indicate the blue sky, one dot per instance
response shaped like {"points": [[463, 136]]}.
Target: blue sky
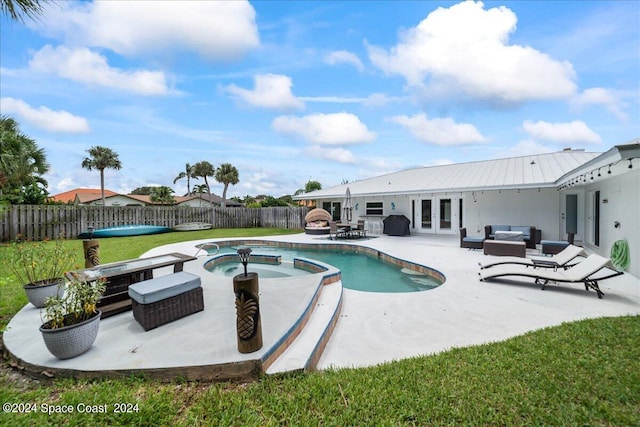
{"points": [[328, 91]]}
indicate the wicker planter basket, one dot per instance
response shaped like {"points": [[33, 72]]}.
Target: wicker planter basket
{"points": [[71, 341]]}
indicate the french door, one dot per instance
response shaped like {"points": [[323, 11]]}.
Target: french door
{"points": [[433, 215]]}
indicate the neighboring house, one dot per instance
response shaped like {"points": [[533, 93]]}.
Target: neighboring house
{"points": [[205, 200], [80, 196], [119, 200], [571, 190], [89, 196]]}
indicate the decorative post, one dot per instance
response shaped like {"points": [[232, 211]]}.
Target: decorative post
{"points": [[91, 252], [248, 325]]}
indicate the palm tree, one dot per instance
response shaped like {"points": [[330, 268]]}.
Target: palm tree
{"points": [[188, 173], [204, 169], [17, 9], [226, 174], [22, 162], [163, 195], [199, 189], [101, 158]]}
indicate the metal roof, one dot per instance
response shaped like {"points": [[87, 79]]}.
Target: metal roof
{"points": [[532, 171]]}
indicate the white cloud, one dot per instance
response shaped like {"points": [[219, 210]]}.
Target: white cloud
{"points": [[333, 99], [45, 118], [601, 96], [565, 133], [465, 48], [439, 131], [325, 129], [65, 184], [83, 65], [271, 91], [343, 57], [526, 148], [261, 182], [439, 162], [337, 154], [380, 99], [216, 30]]}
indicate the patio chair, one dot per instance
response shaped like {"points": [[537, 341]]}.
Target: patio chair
{"points": [[335, 232], [561, 259], [359, 229], [470, 242], [585, 272]]}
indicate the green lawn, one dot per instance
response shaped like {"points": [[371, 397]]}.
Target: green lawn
{"points": [[582, 373]]}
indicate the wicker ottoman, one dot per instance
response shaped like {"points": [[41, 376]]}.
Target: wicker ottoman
{"points": [[505, 248], [165, 299]]}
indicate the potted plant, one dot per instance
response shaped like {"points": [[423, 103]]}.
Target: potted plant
{"points": [[40, 266], [72, 321]]}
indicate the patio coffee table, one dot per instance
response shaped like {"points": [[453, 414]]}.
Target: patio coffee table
{"points": [[505, 248]]}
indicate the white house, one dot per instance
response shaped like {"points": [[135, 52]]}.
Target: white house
{"points": [[571, 190], [205, 200]]}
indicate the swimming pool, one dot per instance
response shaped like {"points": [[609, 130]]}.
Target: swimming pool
{"points": [[362, 269]]}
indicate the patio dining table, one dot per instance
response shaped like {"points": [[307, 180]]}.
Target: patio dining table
{"points": [[120, 275]]}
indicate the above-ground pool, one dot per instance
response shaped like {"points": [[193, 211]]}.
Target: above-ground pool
{"points": [[362, 269]]}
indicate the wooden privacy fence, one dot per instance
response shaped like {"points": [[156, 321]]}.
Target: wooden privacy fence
{"points": [[37, 222]]}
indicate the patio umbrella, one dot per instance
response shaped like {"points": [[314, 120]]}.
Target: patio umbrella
{"points": [[347, 207]]}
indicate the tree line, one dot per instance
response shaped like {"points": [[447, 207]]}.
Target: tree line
{"points": [[23, 165]]}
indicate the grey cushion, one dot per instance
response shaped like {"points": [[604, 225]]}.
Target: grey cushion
{"points": [[526, 231], [473, 239], [160, 288], [554, 243], [495, 228]]}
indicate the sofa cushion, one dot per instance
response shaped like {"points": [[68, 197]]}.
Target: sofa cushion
{"points": [[473, 239], [526, 231], [495, 228]]}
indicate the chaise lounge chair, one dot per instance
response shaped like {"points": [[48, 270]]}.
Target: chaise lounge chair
{"points": [[560, 260], [583, 272]]}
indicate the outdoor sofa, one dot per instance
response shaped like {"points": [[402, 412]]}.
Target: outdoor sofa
{"points": [[529, 234]]}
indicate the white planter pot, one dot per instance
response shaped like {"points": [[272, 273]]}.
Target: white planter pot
{"points": [[37, 294], [72, 341]]}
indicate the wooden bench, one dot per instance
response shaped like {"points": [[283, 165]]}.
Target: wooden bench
{"points": [[165, 299], [504, 248]]}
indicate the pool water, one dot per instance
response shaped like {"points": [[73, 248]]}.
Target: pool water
{"points": [[360, 271], [233, 268]]}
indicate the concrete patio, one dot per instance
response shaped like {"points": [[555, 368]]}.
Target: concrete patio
{"points": [[372, 328]]}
